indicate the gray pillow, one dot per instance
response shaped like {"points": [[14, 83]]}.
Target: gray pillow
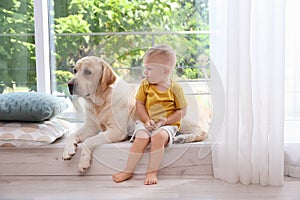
{"points": [[30, 106]]}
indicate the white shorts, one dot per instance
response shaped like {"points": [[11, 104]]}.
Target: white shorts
{"points": [[171, 130]]}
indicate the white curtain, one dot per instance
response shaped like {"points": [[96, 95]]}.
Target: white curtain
{"points": [[292, 74], [247, 49]]}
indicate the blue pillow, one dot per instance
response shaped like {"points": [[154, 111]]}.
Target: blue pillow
{"points": [[30, 106]]}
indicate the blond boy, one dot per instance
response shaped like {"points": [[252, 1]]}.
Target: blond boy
{"points": [[160, 104]]}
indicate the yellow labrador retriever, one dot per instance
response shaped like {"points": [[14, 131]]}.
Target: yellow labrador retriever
{"points": [[110, 111], [108, 108]]}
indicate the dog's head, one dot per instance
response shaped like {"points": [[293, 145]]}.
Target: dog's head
{"points": [[91, 75]]}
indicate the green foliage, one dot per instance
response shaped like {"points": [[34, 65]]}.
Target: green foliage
{"points": [[17, 53], [97, 23], [62, 78], [152, 16]]}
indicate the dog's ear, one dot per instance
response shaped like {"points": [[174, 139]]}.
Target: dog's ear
{"points": [[108, 76]]}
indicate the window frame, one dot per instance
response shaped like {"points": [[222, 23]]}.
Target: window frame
{"points": [[42, 39]]}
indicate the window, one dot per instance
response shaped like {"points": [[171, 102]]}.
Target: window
{"points": [[17, 49], [120, 31], [42, 40]]}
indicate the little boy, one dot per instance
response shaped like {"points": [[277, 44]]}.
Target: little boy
{"points": [[160, 105]]}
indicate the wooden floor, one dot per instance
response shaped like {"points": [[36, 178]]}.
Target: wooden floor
{"points": [[169, 187]]}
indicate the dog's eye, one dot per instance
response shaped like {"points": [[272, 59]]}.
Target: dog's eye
{"points": [[74, 71], [87, 72]]}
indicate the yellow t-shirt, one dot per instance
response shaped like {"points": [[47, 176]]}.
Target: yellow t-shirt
{"points": [[161, 104]]}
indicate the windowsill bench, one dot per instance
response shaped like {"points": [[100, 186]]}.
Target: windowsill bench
{"points": [[180, 159]]}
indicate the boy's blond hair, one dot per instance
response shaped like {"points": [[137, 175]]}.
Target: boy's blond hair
{"points": [[164, 51]]}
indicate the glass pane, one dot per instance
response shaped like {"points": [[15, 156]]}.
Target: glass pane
{"points": [[17, 49], [121, 31]]}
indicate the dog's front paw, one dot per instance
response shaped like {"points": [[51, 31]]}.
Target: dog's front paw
{"points": [[85, 160], [69, 151]]}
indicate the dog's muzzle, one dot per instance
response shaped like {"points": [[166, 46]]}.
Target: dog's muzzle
{"points": [[71, 86]]}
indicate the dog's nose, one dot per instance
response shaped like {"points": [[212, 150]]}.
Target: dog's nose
{"points": [[71, 86]]}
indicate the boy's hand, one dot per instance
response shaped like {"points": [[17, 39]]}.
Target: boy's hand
{"points": [[149, 125], [162, 121]]}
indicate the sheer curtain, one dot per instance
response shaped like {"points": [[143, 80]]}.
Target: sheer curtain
{"points": [[247, 48], [292, 74]]}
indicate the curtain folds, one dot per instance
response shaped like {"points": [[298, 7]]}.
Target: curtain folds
{"points": [[247, 50], [292, 74]]}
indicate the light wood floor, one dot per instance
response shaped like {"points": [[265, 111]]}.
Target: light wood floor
{"points": [[169, 187]]}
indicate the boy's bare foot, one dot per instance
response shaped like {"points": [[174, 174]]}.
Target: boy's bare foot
{"points": [[121, 176], [151, 178]]}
